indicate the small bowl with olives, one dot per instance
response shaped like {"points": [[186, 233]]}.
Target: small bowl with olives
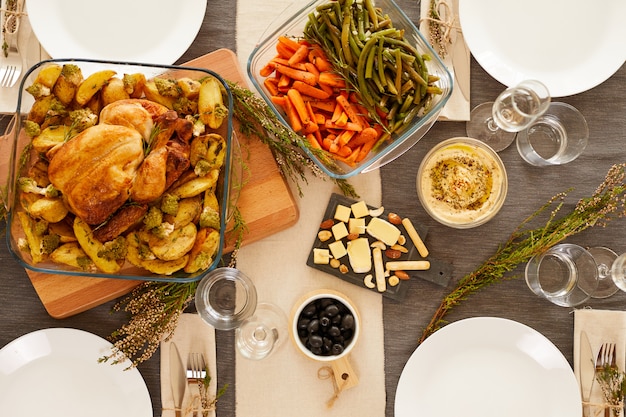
{"points": [[325, 325]]}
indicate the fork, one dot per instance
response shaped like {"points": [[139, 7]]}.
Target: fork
{"points": [[606, 357], [196, 371], [11, 65]]}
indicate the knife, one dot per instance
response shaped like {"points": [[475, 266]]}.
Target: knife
{"points": [[178, 379], [586, 370]]}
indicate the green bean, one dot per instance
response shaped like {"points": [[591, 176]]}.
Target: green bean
{"points": [[376, 60]]}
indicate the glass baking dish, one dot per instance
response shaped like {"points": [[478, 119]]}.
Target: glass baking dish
{"points": [[18, 156], [400, 142]]}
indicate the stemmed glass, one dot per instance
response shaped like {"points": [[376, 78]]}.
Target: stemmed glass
{"points": [[611, 270], [226, 299], [496, 123]]}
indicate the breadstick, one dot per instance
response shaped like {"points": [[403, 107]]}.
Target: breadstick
{"points": [[408, 265], [417, 240], [379, 269]]}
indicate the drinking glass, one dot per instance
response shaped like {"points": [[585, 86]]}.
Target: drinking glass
{"points": [[566, 275], [557, 137], [496, 123], [262, 333], [612, 269]]}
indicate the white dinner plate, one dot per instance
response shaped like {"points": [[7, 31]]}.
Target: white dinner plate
{"points": [[155, 32], [55, 373], [487, 367], [571, 46]]}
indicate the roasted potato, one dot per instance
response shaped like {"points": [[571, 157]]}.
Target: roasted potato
{"points": [[114, 90], [203, 251], [134, 84], [48, 75], [139, 254], [211, 103], [91, 85], [72, 254], [92, 247], [67, 83], [152, 93], [52, 210], [175, 244], [197, 185]]}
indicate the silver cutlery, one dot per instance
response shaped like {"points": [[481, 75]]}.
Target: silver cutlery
{"points": [[196, 371], [11, 65], [587, 371], [606, 357], [177, 379]]}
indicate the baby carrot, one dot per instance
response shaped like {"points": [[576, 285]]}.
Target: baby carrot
{"points": [[349, 109], [288, 42], [299, 55], [332, 79], [310, 90], [292, 115], [296, 74]]}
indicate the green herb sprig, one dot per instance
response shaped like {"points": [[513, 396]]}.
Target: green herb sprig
{"points": [[607, 202]]}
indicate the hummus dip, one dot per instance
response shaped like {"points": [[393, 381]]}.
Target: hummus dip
{"points": [[462, 184]]}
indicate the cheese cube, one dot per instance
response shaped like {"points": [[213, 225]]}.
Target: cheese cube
{"points": [[339, 230], [360, 209], [383, 230], [338, 249], [342, 213], [356, 226], [321, 256], [360, 255]]}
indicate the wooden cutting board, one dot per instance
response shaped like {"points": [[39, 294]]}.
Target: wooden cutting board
{"points": [[265, 202]]}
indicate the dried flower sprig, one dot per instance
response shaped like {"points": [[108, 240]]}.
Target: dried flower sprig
{"points": [[612, 381], [607, 202]]}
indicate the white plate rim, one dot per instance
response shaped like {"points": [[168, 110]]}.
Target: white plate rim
{"points": [[69, 38], [609, 52], [457, 338], [79, 346]]}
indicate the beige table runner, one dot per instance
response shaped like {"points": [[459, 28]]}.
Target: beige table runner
{"points": [[286, 383]]}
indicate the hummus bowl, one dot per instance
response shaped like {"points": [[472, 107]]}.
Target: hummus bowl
{"points": [[462, 183], [93, 176]]}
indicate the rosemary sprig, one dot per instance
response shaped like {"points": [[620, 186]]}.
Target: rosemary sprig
{"points": [[256, 118], [608, 201]]}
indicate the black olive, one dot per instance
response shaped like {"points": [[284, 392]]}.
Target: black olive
{"points": [[309, 310], [334, 331], [313, 326], [324, 322], [337, 349], [332, 310], [347, 322], [316, 341], [303, 323]]}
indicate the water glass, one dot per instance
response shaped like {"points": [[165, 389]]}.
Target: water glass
{"points": [[566, 275], [225, 297], [263, 333], [557, 137]]}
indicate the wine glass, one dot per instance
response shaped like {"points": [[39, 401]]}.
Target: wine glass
{"points": [[497, 123], [226, 299]]}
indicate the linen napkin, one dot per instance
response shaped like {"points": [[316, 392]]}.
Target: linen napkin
{"points": [[457, 59], [191, 335], [32, 53], [601, 326]]}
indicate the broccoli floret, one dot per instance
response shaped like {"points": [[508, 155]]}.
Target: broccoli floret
{"points": [[40, 227], [202, 168], [167, 87], [73, 73], [50, 242], [29, 185], [145, 253], [209, 218], [153, 218], [198, 127], [184, 106], [114, 249], [169, 204], [31, 128], [81, 119], [56, 108], [84, 262], [38, 90]]}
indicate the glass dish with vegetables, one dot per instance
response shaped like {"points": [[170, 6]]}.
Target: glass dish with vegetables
{"points": [[119, 170], [356, 80]]}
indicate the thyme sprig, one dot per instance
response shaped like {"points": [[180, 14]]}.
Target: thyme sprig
{"points": [[607, 202], [256, 118]]}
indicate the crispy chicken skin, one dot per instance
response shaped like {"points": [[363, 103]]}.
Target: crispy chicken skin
{"points": [[95, 170], [138, 114]]}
